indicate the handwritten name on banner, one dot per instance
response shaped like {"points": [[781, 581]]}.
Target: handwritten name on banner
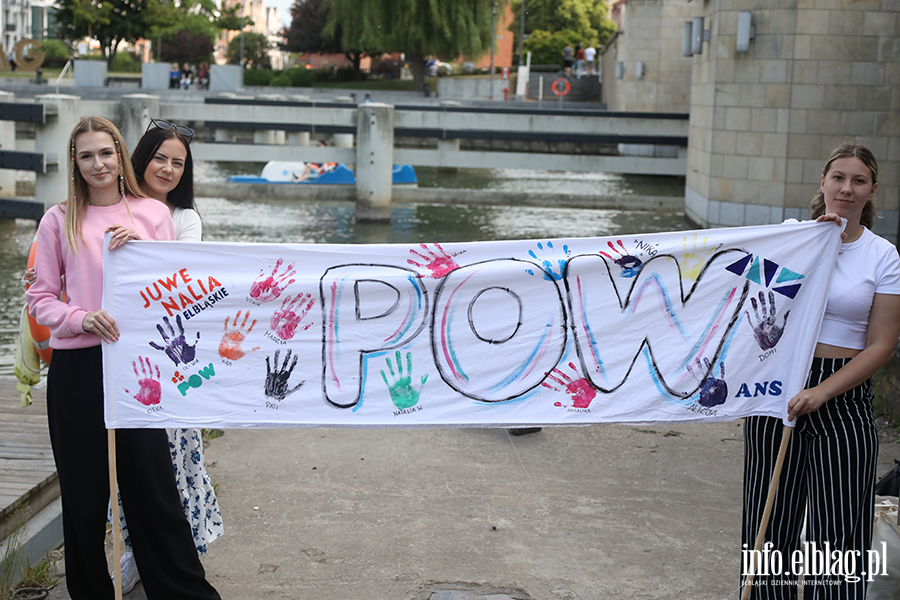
{"points": [[706, 325]]}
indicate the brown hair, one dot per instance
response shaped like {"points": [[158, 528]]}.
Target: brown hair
{"points": [[78, 187], [848, 150]]}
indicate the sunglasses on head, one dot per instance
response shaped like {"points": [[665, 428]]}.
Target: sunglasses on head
{"points": [[163, 124]]}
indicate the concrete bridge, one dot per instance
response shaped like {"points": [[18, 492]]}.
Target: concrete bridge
{"points": [[280, 127]]}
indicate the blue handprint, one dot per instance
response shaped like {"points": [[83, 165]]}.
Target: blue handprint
{"points": [[713, 392], [552, 266]]}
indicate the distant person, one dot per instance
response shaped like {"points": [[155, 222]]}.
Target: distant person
{"points": [[186, 75], [312, 170], [567, 59], [12, 64], [174, 77], [203, 76], [589, 55], [579, 60]]}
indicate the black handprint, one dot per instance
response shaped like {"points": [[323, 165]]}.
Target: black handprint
{"points": [[176, 347], [766, 331], [713, 392], [277, 379]]}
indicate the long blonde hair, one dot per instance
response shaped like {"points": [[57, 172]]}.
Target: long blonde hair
{"points": [[78, 187], [849, 150]]}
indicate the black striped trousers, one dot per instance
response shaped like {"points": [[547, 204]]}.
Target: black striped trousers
{"points": [[829, 468]]}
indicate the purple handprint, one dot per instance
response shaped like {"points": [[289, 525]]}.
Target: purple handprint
{"points": [[267, 288], [438, 262], [150, 391], [766, 331], [285, 320], [175, 345], [713, 392], [629, 264]]}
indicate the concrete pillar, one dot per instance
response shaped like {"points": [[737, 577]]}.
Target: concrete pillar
{"points": [[137, 110], [226, 135], [7, 142], [345, 140], [273, 136], [444, 146], [374, 161], [298, 138], [264, 136], [52, 139]]}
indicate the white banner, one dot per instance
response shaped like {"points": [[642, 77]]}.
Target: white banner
{"points": [[686, 326]]}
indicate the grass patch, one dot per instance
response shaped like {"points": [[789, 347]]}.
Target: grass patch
{"points": [[15, 571], [211, 434]]}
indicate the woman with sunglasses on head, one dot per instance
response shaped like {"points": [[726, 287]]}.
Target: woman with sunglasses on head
{"points": [[104, 197], [828, 476], [164, 170]]}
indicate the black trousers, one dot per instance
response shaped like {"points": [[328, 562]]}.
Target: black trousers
{"points": [[829, 469], [163, 547]]}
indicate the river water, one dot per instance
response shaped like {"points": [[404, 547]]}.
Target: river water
{"points": [[332, 222]]}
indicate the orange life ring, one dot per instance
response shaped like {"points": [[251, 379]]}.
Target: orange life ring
{"points": [[561, 86], [39, 333]]}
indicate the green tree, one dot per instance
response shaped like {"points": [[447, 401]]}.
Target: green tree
{"points": [[419, 28], [585, 18], [256, 51], [309, 19], [546, 48], [109, 22], [172, 25]]}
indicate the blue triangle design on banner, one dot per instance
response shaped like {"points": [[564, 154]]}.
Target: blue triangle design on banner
{"points": [[788, 275], [738, 267], [769, 267], [788, 290], [753, 273]]}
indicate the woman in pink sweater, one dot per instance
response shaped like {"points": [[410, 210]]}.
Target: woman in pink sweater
{"points": [[104, 198]]}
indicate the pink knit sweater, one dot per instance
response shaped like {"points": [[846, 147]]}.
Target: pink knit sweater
{"points": [[83, 270]]}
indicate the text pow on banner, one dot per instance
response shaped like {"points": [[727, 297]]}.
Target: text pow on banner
{"points": [[695, 326]]}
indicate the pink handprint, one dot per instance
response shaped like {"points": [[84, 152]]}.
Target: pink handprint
{"points": [[150, 391], [267, 288], [230, 346], [439, 263], [579, 389], [285, 321]]}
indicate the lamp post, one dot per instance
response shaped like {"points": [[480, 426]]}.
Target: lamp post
{"points": [[493, 40], [242, 34], [522, 34]]}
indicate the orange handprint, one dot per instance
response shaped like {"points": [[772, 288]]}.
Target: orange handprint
{"points": [[230, 346]]}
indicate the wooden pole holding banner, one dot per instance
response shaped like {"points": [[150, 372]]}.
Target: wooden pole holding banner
{"points": [[767, 511], [114, 502]]}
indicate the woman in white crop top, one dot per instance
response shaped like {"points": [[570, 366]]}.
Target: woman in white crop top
{"points": [[829, 469]]}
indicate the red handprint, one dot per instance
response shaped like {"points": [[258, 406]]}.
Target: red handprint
{"points": [[439, 263], [268, 288], [285, 321], [230, 346], [150, 391], [579, 389]]}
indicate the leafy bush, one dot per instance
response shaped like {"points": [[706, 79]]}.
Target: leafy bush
{"points": [[282, 80], [258, 77], [546, 48], [124, 63], [56, 53], [301, 76]]}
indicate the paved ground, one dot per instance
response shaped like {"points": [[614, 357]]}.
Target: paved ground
{"points": [[600, 512]]}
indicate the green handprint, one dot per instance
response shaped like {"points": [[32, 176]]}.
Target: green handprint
{"points": [[403, 394]]}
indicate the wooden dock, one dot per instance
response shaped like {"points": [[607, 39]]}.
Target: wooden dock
{"points": [[27, 471]]}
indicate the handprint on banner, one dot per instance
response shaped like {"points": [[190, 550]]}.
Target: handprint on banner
{"points": [[577, 387], [629, 263], [285, 320], [552, 265], [267, 288], [230, 346], [438, 262], [766, 331], [150, 391], [175, 346], [713, 392], [403, 394], [277, 377], [695, 258]]}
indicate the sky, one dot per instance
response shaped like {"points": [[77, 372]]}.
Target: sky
{"points": [[284, 9]]}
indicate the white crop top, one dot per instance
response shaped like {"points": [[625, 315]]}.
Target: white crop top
{"points": [[865, 267]]}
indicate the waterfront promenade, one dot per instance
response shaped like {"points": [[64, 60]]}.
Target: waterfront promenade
{"points": [[600, 512]]}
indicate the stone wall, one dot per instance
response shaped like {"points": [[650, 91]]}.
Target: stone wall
{"points": [[651, 34], [818, 72]]}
